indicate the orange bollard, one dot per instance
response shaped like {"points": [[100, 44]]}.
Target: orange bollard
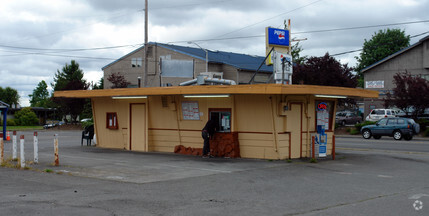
{"points": [[7, 136]]}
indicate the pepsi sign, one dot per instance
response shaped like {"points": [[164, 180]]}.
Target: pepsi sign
{"points": [[279, 37]]}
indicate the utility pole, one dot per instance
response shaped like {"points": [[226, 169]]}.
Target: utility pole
{"points": [[145, 43]]}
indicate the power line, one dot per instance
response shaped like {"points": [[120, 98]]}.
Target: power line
{"points": [[308, 32], [68, 50], [270, 18], [361, 27], [352, 51]]}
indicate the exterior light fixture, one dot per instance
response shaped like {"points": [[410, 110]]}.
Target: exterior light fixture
{"points": [[205, 96], [129, 97], [331, 96]]}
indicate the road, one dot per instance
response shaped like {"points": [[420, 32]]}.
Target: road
{"points": [[94, 181], [417, 145]]}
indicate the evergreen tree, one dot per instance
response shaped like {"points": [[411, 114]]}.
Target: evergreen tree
{"points": [[70, 78]]}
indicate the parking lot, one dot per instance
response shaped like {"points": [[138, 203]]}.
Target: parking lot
{"points": [[97, 181]]}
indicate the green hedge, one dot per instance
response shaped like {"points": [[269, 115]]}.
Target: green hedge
{"points": [[360, 125], [424, 124], [426, 133], [10, 122]]}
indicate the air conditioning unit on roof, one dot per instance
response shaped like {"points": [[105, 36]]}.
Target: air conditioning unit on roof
{"points": [[217, 75]]}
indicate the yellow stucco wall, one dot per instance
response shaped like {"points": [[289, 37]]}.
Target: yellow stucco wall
{"points": [[264, 129]]}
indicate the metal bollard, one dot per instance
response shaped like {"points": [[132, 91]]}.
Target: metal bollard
{"points": [[36, 148], [57, 160], [22, 151], [14, 155]]}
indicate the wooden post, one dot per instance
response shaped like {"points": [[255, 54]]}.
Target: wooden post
{"points": [[333, 147], [36, 148], [14, 154], [57, 160], [312, 147], [22, 158]]}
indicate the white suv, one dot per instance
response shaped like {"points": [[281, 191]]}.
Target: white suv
{"points": [[377, 114]]}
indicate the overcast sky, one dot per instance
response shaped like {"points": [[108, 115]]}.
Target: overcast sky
{"points": [[39, 37]]}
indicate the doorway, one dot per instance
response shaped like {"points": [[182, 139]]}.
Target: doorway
{"points": [[138, 127]]}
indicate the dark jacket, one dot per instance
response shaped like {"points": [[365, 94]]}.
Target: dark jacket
{"points": [[210, 127]]}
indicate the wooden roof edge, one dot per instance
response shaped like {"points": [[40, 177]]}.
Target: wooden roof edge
{"points": [[222, 89]]}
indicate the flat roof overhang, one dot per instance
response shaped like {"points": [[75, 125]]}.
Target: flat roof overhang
{"points": [[264, 89]]}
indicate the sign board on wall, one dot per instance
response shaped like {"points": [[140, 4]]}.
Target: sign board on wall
{"points": [[190, 110], [323, 114], [374, 84]]}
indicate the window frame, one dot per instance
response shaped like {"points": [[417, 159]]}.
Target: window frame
{"points": [[112, 120]]}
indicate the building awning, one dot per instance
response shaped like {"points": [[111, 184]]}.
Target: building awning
{"points": [[267, 89], [264, 89]]}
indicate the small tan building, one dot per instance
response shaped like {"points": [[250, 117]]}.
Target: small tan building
{"points": [[269, 121]]}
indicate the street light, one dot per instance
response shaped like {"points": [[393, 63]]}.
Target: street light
{"points": [[207, 54]]}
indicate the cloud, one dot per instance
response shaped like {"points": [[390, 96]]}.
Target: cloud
{"points": [[72, 24]]}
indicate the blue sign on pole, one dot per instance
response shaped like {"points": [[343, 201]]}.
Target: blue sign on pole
{"points": [[278, 37]]}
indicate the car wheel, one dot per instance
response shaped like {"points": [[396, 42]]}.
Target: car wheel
{"points": [[366, 134], [377, 136], [408, 137], [397, 135]]}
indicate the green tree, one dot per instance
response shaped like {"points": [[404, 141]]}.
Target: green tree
{"points": [[70, 78], [9, 95], [100, 84], [381, 45], [26, 117], [296, 54], [40, 96]]}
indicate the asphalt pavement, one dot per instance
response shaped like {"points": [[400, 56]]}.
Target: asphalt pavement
{"points": [[94, 181]]}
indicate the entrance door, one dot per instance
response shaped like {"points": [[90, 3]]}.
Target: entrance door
{"points": [[294, 125], [138, 127]]}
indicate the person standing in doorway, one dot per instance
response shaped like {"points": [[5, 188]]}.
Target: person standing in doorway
{"points": [[207, 134]]}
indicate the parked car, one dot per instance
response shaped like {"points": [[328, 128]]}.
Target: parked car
{"points": [[343, 118], [396, 127], [377, 114]]}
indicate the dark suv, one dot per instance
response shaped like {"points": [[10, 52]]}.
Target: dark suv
{"points": [[396, 127]]}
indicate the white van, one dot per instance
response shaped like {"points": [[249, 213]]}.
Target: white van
{"points": [[377, 114]]}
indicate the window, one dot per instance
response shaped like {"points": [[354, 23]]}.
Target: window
{"points": [[222, 118], [392, 122], [111, 121], [382, 121], [136, 62]]}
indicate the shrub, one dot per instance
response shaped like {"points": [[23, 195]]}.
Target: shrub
{"points": [[360, 125], [26, 117], [10, 122], [87, 123], [426, 133], [424, 124], [354, 131]]}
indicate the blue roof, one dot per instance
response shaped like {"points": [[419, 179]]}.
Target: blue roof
{"points": [[239, 61]]}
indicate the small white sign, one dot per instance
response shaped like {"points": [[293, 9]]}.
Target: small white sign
{"points": [[374, 84]]}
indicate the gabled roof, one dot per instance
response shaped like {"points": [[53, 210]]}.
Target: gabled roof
{"points": [[4, 105], [395, 54], [239, 61]]}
